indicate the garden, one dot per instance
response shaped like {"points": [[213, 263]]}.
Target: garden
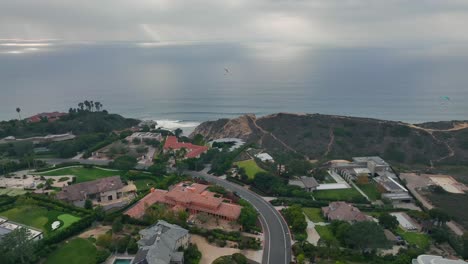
{"points": [[76, 251], [370, 189], [314, 214], [420, 240]]}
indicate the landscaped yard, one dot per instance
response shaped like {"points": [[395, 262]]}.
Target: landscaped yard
{"points": [[325, 233], [338, 195], [76, 251], [371, 190], [38, 217], [314, 214], [144, 184], [82, 174], [250, 166], [12, 192], [414, 238]]}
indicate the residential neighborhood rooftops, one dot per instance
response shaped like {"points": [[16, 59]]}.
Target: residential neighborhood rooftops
{"points": [[159, 244], [344, 212], [80, 191], [50, 117], [377, 160], [389, 184], [193, 151]]}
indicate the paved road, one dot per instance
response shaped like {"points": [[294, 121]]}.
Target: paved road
{"points": [[277, 245], [55, 161]]}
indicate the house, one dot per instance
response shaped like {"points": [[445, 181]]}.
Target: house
{"points": [[405, 221], [145, 136], [160, 244], [343, 211], [6, 227], [309, 184], [193, 151], [109, 192], [50, 117], [265, 157], [362, 166], [431, 259], [392, 190], [192, 197]]}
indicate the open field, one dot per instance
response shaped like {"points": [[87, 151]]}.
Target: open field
{"points": [[414, 238], [251, 168], [76, 251], [325, 233], [314, 214], [370, 190], [82, 174], [450, 204], [38, 217], [338, 195]]}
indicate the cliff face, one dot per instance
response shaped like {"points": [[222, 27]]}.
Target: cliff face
{"points": [[325, 136]]}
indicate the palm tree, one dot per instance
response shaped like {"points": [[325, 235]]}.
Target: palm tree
{"points": [[81, 106], [98, 106], [91, 105], [18, 110], [88, 106]]}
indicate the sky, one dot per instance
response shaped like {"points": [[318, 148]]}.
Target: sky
{"points": [[356, 23]]}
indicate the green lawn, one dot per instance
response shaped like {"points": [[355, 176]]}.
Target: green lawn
{"points": [[82, 174], [371, 190], [414, 238], [144, 184], [38, 217], [250, 166], [325, 233], [12, 192], [76, 251], [67, 219], [338, 195], [314, 214]]}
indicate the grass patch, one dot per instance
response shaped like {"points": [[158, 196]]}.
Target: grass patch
{"points": [[38, 217], [314, 214], [144, 184], [82, 174], [325, 233], [12, 192], [350, 194], [370, 190], [450, 204], [76, 251], [414, 238], [67, 220], [250, 166]]}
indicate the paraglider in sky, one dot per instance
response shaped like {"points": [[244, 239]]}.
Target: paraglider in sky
{"points": [[446, 98]]}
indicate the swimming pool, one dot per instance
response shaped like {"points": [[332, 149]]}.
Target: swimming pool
{"points": [[122, 261]]}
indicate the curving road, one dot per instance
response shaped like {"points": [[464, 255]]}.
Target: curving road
{"points": [[277, 244]]}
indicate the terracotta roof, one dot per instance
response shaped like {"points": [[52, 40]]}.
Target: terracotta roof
{"points": [[50, 117], [80, 191], [192, 196], [193, 151]]}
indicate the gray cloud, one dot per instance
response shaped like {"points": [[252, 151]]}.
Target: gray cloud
{"points": [[321, 22]]}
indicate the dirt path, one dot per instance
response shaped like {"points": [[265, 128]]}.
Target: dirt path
{"points": [[330, 144], [457, 126], [254, 122]]}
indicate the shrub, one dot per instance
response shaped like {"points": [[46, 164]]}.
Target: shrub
{"points": [[102, 255]]}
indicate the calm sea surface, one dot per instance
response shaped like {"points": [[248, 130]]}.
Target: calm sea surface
{"points": [[197, 82]]}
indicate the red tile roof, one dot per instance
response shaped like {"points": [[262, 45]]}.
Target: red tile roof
{"points": [[50, 117], [193, 151], [190, 196]]}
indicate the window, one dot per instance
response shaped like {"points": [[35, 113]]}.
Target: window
{"points": [[109, 197]]}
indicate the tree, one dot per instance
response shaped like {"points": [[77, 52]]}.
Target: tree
{"points": [[81, 106], [388, 221], [439, 217], [248, 216], [88, 204], [124, 163], [365, 235], [192, 255], [18, 110], [158, 169], [104, 240], [98, 106], [16, 247], [117, 225], [100, 212], [48, 183], [178, 132]]}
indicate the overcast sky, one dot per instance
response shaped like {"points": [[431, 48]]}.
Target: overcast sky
{"points": [[322, 22]]}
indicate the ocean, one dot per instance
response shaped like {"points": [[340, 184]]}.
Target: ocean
{"points": [[183, 84]]}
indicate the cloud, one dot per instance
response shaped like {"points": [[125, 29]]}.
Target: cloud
{"points": [[318, 22]]}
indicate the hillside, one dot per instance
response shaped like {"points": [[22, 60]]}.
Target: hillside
{"points": [[318, 136]]}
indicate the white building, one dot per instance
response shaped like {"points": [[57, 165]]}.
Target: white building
{"points": [[431, 259]]}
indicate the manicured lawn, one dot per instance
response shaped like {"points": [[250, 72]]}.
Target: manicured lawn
{"points": [[12, 192], [82, 174], [371, 190], [144, 184], [251, 168], [414, 238], [325, 233], [38, 217], [314, 214], [76, 251], [337, 195], [67, 220]]}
